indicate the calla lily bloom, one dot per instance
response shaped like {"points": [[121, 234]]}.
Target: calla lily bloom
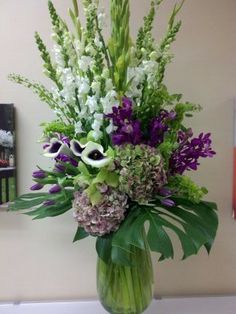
{"points": [[55, 148], [93, 155], [77, 148]]}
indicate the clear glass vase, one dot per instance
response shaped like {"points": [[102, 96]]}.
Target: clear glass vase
{"points": [[123, 289]]}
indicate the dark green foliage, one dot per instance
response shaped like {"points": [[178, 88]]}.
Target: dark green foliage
{"points": [[33, 202], [194, 224], [80, 234]]}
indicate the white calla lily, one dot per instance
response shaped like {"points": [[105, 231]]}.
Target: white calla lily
{"points": [[55, 148], [76, 147], [93, 155]]}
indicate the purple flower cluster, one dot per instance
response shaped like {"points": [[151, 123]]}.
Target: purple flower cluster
{"points": [[128, 130], [159, 126], [187, 155]]}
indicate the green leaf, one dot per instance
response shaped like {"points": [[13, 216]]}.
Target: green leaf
{"points": [[120, 256], [195, 228], [80, 234], [103, 247], [101, 176], [112, 179], [158, 239], [94, 195], [83, 169], [27, 201], [110, 153], [52, 211]]}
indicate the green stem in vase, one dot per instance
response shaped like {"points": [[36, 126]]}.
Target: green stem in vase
{"points": [[124, 289]]}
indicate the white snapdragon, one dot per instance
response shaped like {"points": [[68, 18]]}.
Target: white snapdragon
{"points": [[83, 84], [58, 56], [109, 85], [109, 101], [85, 62], [150, 67], [92, 103], [98, 42], [96, 88], [70, 50], [105, 73], [110, 128], [136, 76], [101, 19], [97, 124], [78, 128], [90, 50], [68, 83], [79, 46]]}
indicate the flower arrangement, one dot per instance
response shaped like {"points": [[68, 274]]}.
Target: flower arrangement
{"points": [[120, 148]]}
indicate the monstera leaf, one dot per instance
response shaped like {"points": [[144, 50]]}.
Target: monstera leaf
{"points": [[194, 224]]}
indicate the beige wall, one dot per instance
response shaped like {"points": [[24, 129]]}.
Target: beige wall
{"points": [[37, 259]]}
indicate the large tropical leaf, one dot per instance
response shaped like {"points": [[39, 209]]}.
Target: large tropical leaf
{"points": [[195, 225]]}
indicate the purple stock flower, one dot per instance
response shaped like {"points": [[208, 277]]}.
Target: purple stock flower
{"points": [[55, 189], [36, 187], [39, 174], [128, 130], [187, 155], [49, 203], [159, 126]]}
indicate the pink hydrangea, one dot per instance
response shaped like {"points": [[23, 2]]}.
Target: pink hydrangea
{"points": [[104, 217]]}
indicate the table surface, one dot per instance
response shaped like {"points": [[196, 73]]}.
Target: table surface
{"points": [[203, 305]]}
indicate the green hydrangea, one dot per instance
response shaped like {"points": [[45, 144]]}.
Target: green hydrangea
{"points": [[186, 188]]}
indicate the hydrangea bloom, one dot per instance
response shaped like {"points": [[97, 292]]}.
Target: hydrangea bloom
{"points": [[141, 171], [104, 217]]}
